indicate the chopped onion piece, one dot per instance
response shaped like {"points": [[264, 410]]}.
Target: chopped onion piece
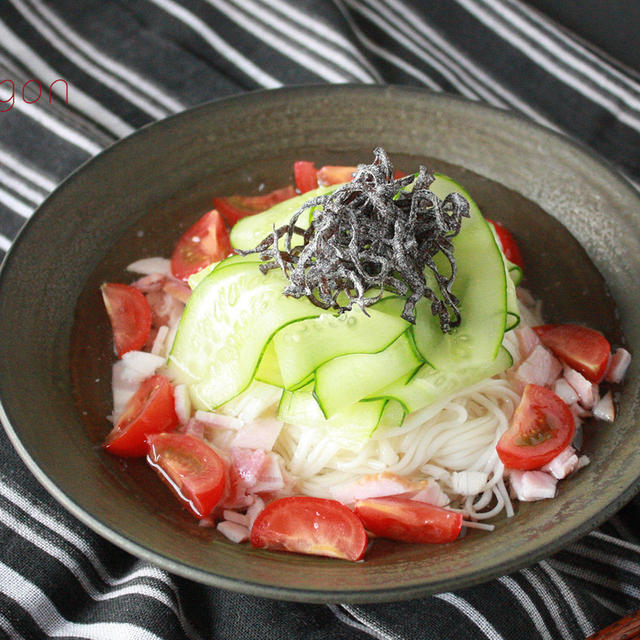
{"points": [[149, 266], [182, 403], [233, 531], [218, 420], [160, 341], [258, 434], [618, 365], [605, 409], [234, 516]]}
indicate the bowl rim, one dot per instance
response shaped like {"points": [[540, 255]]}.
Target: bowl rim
{"points": [[274, 591]]}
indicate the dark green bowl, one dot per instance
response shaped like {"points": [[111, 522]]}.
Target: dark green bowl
{"points": [[135, 198]]}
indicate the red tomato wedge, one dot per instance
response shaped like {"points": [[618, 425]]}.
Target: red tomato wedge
{"points": [[541, 427], [204, 242], [305, 175], [408, 520], [193, 471], [330, 174], [151, 409], [583, 349], [233, 208], [315, 526], [129, 314], [508, 244]]}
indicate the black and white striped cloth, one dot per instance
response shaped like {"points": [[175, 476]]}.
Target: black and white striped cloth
{"points": [[131, 62]]}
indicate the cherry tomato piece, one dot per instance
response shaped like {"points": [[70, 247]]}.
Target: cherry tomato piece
{"points": [[408, 520], [193, 471], [330, 174], [151, 409], [233, 208], [541, 427], [204, 242], [129, 314], [305, 175], [316, 526], [508, 244], [583, 349]]}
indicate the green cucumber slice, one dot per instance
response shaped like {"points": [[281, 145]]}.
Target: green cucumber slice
{"points": [[302, 347], [248, 232], [346, 379], [225, 328], [428, 384], [269, 367], [481, 287], [356, 422]]}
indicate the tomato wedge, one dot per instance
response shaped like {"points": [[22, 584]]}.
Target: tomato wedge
{"points": [[233, 208], [583, 349], [193, 471], [151, 409], [204, 242], [508, 244], [541, 427], [330, 174], [408, 520], [315, 526], [129, 314], [305, 175]]}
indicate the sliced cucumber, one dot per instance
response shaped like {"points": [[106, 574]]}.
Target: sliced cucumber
{"points": [[346, 379], [303, 346], [269, 367], [356, 422], [248, 232], [428, 384], [481, 287], [225, 328]]}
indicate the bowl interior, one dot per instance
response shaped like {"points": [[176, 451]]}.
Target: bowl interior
{"points": [[574, 219]]}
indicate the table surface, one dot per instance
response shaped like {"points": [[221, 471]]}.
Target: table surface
{"points": [[571, 65]]}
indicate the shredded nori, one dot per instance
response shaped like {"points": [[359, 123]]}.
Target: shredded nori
{"points": [[370, 235]]}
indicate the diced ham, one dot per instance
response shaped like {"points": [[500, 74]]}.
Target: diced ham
{"points": [[605, 408], [235, 532], [532, 485], [565, 391], [177, 289], [431, 494], [541, 367], [152, 282], [582, 387], [468, 483], [270, 477], [618, 365], [194, 427], [374, 486], [165, 309], [527, 340], [182, 403], [247, 464], [563, 464], [524, 295], [260, 433], [149, 266]]}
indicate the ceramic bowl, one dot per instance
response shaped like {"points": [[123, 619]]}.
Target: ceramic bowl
{"points": [[576, 220]]}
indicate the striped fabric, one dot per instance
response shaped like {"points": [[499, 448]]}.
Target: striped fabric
{"points": [[128, 63]]}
